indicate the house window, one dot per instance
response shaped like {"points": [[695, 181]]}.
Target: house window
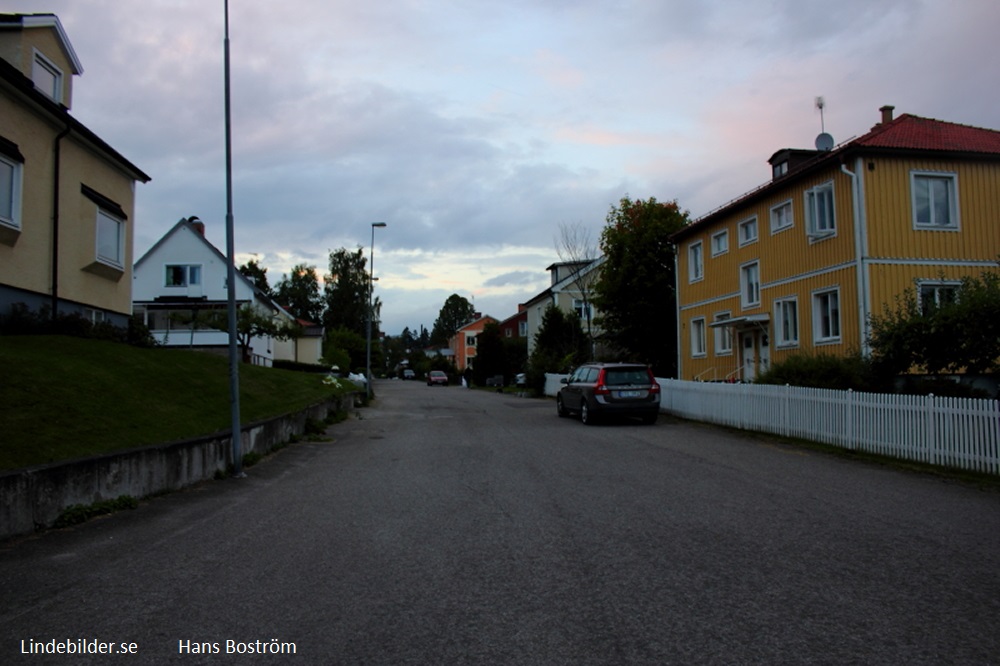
{"points": [[723, 336], [750, 284], [936, 294], [47, 77], [696, 262], [522, 329], [935, 205], [820, 218], [470, 340], [110, 239], [582, 309], [698, 337], [748, 231], [10, 192], [93, 316], [779, 169], [183, 275], [786, 316], [826, 316], [781, 217], [720, 243]]}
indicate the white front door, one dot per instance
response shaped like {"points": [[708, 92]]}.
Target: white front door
{"points": [[749, 354]]}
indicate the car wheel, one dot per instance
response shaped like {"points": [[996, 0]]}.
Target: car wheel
{"points": [[585, 415], [560, 407]]}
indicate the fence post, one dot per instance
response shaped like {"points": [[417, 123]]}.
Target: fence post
{"points": [[931, 441], [849, 430]]}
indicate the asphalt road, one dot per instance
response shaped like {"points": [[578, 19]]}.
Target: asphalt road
{"points": [[448, 526]]}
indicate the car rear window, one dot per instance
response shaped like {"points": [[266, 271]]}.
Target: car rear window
{"points": [[619, 376]]}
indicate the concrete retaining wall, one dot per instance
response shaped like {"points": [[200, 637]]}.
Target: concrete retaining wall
{"points": [[33, 498]]}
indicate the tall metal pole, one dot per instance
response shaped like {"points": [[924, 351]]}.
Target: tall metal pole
{"points": [[371, 313], [234, 361]]}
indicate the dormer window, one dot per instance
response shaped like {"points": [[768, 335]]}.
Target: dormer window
{"points": [[780, 169], [47, 77]]}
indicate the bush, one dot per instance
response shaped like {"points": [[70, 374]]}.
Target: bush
{"points": [[825, 371]]}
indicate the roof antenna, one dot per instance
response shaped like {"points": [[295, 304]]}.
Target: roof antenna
{"points": [[824, 142]]}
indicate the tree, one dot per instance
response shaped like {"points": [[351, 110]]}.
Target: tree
{"points": [[560, 346], [257, 275], [961, 334], [299, 293], [252, 322], [342, 340], [490, 360], [576, 248], [346, 293], [456, 312], [635, 290]]}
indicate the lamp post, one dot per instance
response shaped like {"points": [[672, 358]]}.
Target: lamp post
{"points": [[371, 286]]}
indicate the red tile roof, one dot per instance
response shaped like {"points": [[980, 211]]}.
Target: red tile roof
{"points": [[909, 132]]}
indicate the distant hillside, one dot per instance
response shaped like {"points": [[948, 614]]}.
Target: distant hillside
{"points": [[64, 398]]}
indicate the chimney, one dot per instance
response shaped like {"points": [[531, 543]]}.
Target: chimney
{"points": [[887, 113], [198, 225]]}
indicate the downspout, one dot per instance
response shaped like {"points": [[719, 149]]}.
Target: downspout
{"points": [[677, 314], [860, 252], [57, 152]]}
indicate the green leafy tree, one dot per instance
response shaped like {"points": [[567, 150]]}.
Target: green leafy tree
{"points": [[490, 356], [456, 312], [346, 293], [635, 291], [560, 345], [299, 293], [961, 334], [257, 274], [352, 343], [251, 322]]}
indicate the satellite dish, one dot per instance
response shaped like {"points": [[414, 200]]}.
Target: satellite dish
{"points": [[824, 142]]}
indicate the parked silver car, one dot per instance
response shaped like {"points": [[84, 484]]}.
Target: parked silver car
{"points": [[598, 389]]}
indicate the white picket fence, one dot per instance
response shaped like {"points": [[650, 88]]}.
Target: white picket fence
{"points": [[963, 433], [951, 432]]}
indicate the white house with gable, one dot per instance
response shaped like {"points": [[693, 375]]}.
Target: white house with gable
{"points": [[181, 279]]}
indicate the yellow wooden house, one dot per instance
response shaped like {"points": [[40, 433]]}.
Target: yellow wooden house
{"points": [[800, 264], [66, 196]]}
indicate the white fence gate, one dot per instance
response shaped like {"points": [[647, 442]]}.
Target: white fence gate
{"points": [[963, 433]]}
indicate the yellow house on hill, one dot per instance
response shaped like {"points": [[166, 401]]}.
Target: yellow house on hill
{"points": [[66, 196], [800, 264]]}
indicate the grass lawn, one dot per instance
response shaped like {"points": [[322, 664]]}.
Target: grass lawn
{"points": [[65, 398]]}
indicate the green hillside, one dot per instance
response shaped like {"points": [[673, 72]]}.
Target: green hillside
{"points": [[64, 398]]}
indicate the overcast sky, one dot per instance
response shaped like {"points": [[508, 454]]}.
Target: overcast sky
{"points": [[475, 129]]}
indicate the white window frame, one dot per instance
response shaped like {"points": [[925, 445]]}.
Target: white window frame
{"points": [[744, 227], [584, 310], [786, 322], [938, 286], [105, 220], [814, 198], [723, 335], [15, 184], [696, 262], [720, 242], [750, 290], [951, 179], [190, 271], [822, 312], [698, 341], [40, 62], [470, 339], [781, 223]]}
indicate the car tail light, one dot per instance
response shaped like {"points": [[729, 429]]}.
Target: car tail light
{"points": [[601, 388], [653, 386]]}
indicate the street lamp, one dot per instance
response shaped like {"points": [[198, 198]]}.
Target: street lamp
{"points": [[371, 286]]}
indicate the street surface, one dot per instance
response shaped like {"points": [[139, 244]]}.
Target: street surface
{"points": [[449, 526]]}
